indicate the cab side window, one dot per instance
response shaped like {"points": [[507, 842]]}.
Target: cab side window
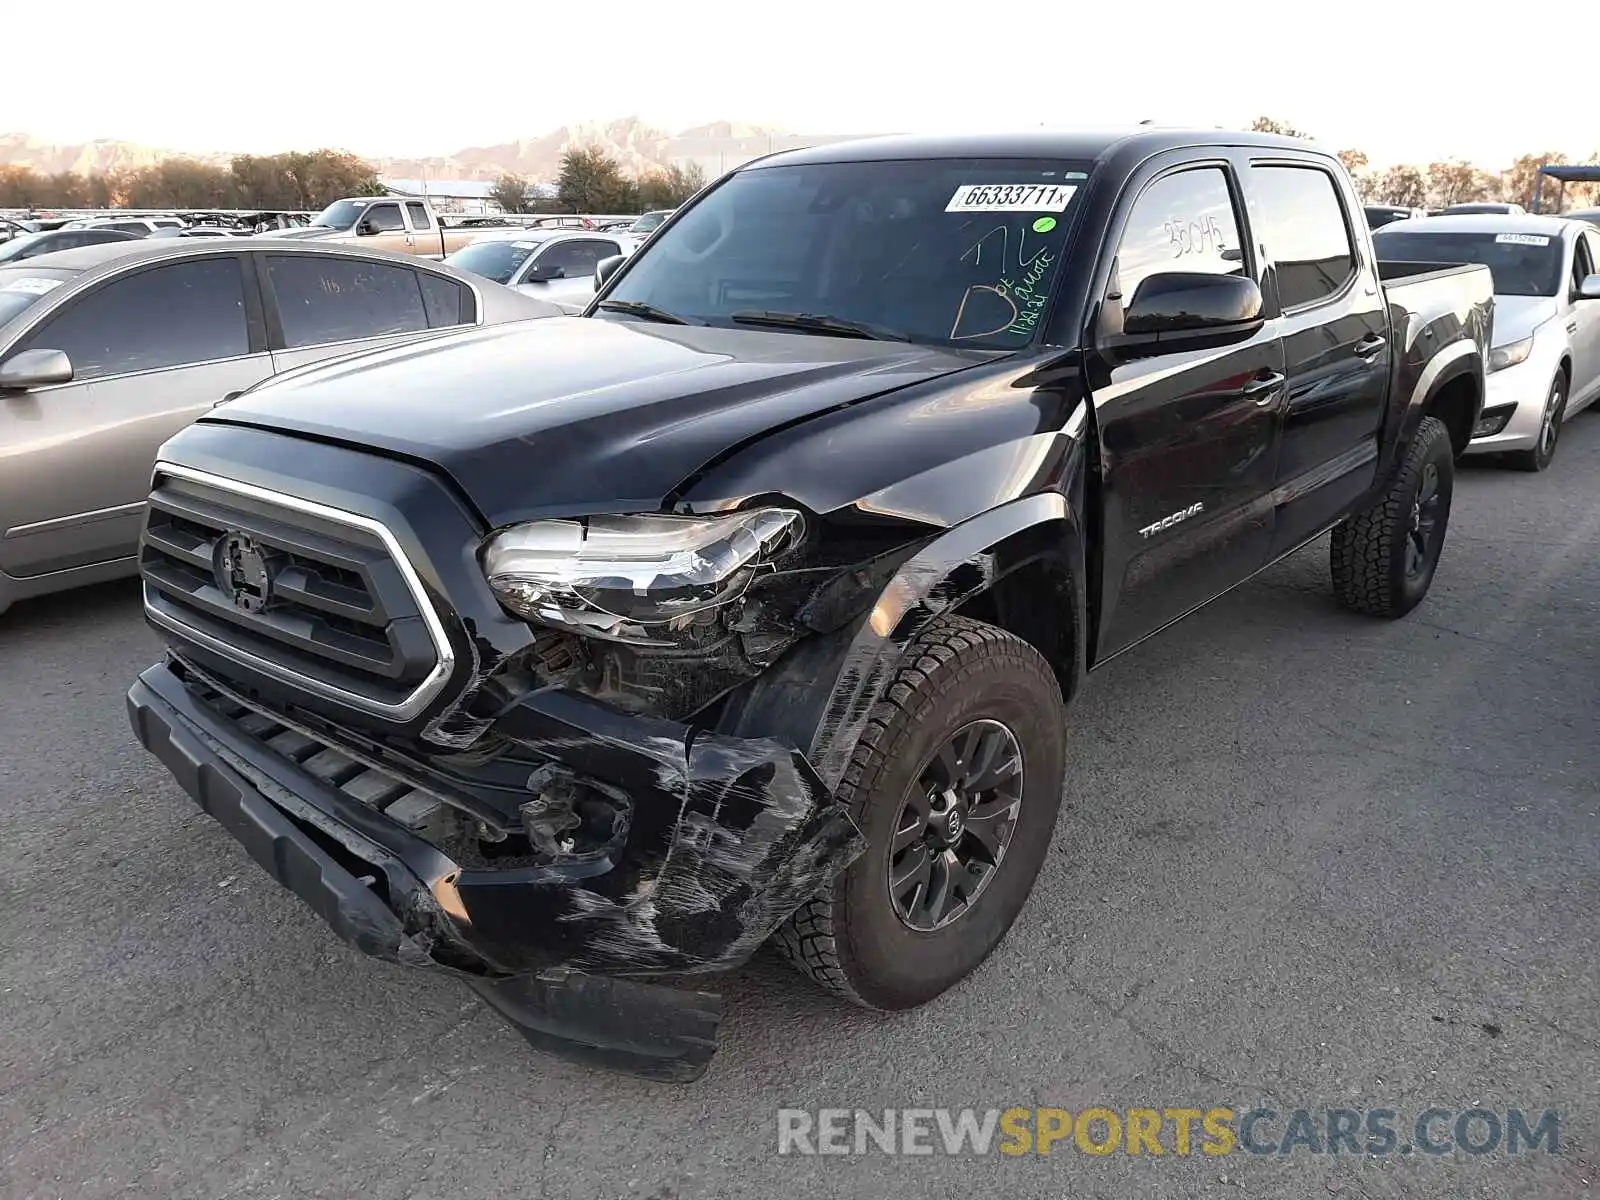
{"points": [[1182, 222], [190, 312], [385, 218], [1301, 221], [419, 215]]}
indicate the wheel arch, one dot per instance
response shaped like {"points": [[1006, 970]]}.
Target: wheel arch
{"points": [[820, 694]]}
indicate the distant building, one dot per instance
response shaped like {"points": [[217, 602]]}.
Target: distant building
{"points": [[466, 196]]}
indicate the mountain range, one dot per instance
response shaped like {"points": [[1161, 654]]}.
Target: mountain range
{"points": [[636, 145]]}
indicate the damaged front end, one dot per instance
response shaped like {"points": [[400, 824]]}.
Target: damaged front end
{"points": [[576, 818]]}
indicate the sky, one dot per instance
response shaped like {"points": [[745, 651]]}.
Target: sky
{"points": [[397, 78]]}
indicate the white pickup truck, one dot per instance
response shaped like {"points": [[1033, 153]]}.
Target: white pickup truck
{"points": [[385, 223]]}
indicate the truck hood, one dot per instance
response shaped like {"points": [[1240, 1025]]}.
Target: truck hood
{"points": [[1515, 317], [565, 416], [307, 233]]}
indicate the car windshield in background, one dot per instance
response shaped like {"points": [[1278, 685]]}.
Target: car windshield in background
{"points": [[341, 214], [1523, 264], [497, 260], [649, 221], [22, 287], [21, 246], [962, 253]]}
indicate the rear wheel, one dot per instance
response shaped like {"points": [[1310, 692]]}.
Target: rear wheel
{"points": [[1382, 560], [955, 784], [1555, 409]]}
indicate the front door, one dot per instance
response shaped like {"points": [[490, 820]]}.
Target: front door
{"points": [[1336, 352], [150, 351], [1188, 439], [1583, 325]]}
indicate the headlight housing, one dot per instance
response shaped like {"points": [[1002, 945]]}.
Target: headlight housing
{"points": [[616, 577], [1510, 354]]}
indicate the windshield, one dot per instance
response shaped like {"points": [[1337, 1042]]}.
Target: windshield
{"points": [[950, 251], [649, 221], [497, 260], [21, 246], [1523, 264], [23, 287], [341, 214]]}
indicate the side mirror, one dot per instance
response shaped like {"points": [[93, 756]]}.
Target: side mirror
{"points": [[1185, 310], [606, 268], [35, 369], [365, 228], [544, 273], [1589, 289]]}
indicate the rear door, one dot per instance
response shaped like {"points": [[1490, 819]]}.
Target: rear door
{"points": [[1583, 324], [1335, 330], [320, 306], [151, 350], [1188, 438]]}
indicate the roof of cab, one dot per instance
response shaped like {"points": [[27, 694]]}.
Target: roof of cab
{"points": [[1075, 144]]}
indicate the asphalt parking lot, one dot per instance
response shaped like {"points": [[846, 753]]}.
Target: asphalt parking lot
{"points": [[1310, 860]]}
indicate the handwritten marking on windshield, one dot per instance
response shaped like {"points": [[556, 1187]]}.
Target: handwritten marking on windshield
{"points": [[961, 311]]}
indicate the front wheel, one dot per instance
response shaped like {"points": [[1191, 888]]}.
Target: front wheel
{"points": [[1382, 560], [955, 784], [1555, 410]]}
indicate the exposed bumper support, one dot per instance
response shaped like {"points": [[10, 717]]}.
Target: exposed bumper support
{"points": [[744, 834]]}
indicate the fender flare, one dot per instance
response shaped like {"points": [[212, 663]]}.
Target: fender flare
{"points": [[821, 696], [1451, 363]]}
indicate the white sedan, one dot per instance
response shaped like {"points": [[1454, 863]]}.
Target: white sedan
{"points": [[1544, 360], [557, 265]]}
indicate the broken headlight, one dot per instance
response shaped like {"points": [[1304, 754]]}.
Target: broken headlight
{"points": [[618, 576]]}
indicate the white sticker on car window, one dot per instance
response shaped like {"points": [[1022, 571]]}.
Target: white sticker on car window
{"points": [[1011, 197], [36, 285], [1522, 239]]}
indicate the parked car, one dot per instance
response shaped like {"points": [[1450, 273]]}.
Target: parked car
{"points": [[384, 223], [1544, 366], [651, 221], [555, 265], [139, 226], [201, 231], [32, 245], [107, 350], [748, 604], [1481, 208], [1379, 215]]}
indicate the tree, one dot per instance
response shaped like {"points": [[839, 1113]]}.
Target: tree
{"points": [[1522, 180], [1273, 125], [1355, 161], [671, 187], [1403, 185], [510, 192], [1454, 183], [592, 182]]}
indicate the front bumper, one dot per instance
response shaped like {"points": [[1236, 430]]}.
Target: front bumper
{"points": [[730, 836], [1523, 389]]}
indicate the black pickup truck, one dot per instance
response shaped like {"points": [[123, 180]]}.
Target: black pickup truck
{"points": [[584, 656]]}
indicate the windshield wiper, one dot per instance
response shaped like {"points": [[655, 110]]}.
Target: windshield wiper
{"points": [[648, 311], [816, 323]]}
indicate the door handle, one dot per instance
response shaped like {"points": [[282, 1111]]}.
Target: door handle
{"points": [[1572, 327], [1369, 346], [1263, 388]]}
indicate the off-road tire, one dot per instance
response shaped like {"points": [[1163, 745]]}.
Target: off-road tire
{"points": [[1367, 556], [1540, 457], [848, 938]]}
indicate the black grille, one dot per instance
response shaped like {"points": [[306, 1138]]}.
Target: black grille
{"points": [[337, 612]]}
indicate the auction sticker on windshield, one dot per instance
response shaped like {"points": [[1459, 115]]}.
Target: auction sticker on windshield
{"points": [[1006, 197], [33, 284], [1522, 239]]}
